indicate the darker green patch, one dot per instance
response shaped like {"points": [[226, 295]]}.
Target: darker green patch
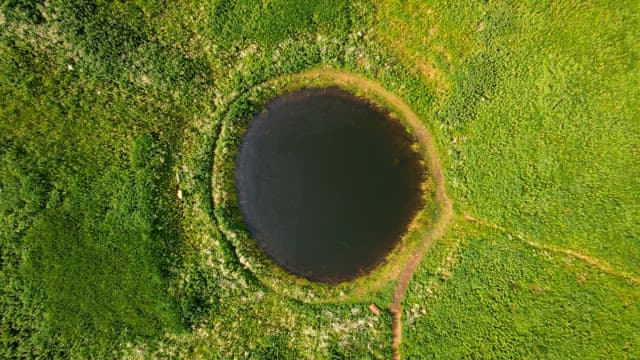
{"points": [[268, 23], [93, 259]]}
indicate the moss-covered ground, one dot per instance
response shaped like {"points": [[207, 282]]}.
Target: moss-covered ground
{"points": [[109, 108]]}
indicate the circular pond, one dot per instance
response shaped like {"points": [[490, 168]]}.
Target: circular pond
{"points": [[327, 183]]}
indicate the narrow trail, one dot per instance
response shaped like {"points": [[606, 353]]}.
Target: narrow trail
{"points": [[410, 268], [446, 206], [589, 260]]}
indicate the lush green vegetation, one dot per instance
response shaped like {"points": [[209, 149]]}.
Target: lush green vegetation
{"points": [[539, 127], [109, 108], [496, 297]]}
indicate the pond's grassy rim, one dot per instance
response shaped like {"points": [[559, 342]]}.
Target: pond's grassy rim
{"points": [[232, 224]]}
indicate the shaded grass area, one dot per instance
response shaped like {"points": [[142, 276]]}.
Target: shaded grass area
{"points": [[99, 258], [87, 235], [81, 262]]}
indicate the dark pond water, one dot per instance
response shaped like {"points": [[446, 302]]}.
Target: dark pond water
{"points": [[326, 183]]}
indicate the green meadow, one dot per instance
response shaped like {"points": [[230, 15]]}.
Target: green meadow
{"points": [[115, 240]]}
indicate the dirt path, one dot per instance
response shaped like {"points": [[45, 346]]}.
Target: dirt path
{"points": [[436, 170], [589, 260], [446, 207]]}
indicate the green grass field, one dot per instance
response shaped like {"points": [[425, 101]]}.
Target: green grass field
{"points": [[107, 109]]}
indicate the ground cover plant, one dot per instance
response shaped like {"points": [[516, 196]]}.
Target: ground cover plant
{"points": [[110, 241]]}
